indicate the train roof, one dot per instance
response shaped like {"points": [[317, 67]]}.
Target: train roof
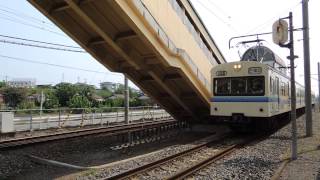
{"points": [[262, 54]]}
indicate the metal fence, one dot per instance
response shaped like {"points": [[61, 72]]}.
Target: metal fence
{"points": [[35, 119]]}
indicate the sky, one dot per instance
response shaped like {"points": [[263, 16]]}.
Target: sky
{"points": [[230, 18], [223, 18]]}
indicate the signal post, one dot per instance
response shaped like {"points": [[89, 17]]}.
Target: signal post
{"points": [[280, 37]]}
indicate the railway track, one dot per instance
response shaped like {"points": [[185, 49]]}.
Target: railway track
{"points": [[191, 160], [204, 163], [111, 130]]}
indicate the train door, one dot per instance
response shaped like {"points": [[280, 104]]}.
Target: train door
{"points": [[277, 93]]}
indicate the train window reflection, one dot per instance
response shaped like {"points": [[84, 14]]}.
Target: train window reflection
{"points": [[255, 85], [222, 86], [239, 86]]}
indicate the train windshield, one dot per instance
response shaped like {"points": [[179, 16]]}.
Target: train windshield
{"points": [[239, 86]]}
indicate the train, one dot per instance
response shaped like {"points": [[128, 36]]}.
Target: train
{"points": [[253, 92]]}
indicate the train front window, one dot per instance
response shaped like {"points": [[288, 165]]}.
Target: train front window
{"points": [[222, 86], [239, 86], [255, 85]]}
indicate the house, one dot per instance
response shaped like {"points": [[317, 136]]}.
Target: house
{"points": [[33, 98], [146, 100], [110, 86], [116, 96], [97, 98], [22, 83], [1, 99], [44, 86]]}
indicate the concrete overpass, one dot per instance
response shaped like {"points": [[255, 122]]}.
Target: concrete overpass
{"points": [[160, 45]]}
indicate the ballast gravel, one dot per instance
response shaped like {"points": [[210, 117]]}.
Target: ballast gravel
{"points": [[256, 161], [86, 152]]}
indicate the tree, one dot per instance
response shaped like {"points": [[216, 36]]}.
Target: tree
{"points": [[25, 104], [2, 84], [64, 92], [134, 102], [78, 101], [85, 90], [51, 101], [118, 102], [119, 90], [14, 96], [104, 93]]}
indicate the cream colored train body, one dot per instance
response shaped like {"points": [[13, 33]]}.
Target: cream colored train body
{"points": [[253, 89]]}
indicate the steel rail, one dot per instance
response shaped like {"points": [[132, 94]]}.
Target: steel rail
{"points": [[192, 169], [160, 162], [111, 130], [202, 164]]}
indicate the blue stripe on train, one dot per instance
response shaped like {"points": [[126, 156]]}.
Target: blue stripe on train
{"points": [[243, 99]]}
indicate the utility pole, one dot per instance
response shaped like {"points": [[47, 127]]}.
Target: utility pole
{"points": [[126, 100], [41, 103], [293, 93], [319, 85], [126, 105], [280, 37], [306, 50]]}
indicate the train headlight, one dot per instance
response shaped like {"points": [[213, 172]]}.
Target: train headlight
{"points": [[237, 67], [255, 70]]}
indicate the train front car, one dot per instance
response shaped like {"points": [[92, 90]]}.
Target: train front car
{"points": [[241, 90]]}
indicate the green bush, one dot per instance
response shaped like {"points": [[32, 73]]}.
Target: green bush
{"points": [[14, 96], [52, 101], [26, 105], [78, 101]]}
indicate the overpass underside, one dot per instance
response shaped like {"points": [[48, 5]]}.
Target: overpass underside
{"points": [[121, 36]]}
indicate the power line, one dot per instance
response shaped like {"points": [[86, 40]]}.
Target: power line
{"points": [[43, 42], [223, 21], [219, 8], [23, 15], [31, 25], [267, 22], [55, 65], [41, 46]]}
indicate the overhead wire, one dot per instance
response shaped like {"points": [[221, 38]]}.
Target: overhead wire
{"points": [[15, 20], [267, 22], [37, 41], [40, 46], [55, 65], [219, 8], [24, 15], [218, 17]]}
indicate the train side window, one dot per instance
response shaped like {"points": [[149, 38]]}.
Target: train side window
{"points": [[277, 86], [283, 89], [271, 85]]}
